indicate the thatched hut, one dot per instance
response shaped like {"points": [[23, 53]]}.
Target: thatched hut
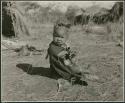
{"points": [[79, 16], [85, 18], [109, 15], [116, 12], [7, 27], [91, 14], [13, 21], [101, 16]]}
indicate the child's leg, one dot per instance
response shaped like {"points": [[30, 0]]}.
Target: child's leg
{"points": [[76, 70]]}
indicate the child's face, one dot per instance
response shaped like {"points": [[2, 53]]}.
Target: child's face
{"points": [[63, 31], [59, 40]]}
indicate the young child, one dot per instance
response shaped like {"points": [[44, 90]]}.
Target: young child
{"points": [[61, 57]]}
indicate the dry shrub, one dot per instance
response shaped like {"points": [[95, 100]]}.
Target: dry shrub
{"points": [[16, 20], [95, 29], [111, 31], [115, 31], [76, 28], [88, 28]]}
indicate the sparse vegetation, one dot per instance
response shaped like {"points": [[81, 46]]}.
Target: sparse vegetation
{"points": [[96, 46]]}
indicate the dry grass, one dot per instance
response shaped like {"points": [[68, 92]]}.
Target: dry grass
{"points": [[115, 31], [98, 50], [105, 60], [95, 29], [103, 56], [111, 31]]}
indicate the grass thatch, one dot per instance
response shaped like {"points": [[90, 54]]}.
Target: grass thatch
{"points": [[117, 11], [16, 20], [23, 21]]}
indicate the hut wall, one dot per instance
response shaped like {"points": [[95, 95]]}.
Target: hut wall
{"points": [[13, 21], [7, 23]]}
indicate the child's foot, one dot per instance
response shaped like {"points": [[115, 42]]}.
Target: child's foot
{"points": [[63, 85]]}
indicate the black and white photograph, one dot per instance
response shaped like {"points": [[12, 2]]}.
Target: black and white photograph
{"points": [[62, 51]]}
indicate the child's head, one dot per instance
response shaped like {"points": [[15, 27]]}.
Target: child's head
{"points": [[61, 28]]}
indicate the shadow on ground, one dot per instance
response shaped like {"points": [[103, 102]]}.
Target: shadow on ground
{"points": [[42, 71]]}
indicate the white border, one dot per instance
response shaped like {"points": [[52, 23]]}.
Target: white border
{"points": [[123, 48], [69, 101]]}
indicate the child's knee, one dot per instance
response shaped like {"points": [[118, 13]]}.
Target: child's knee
{"points": [[76, 70]]}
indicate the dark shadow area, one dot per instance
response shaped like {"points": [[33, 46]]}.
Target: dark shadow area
{"points": [[7, 22], [77, 80], [83, 83], [42, 71]]}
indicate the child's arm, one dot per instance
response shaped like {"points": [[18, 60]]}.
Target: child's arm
{"points": [[67, 56], [63, 55], [71, 53]]}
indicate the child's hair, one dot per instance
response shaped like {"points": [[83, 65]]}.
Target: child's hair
{"points": [[62, 23], [60, 32]]}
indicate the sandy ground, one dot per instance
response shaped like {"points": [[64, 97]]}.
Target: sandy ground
{"points": [[103, 56]]}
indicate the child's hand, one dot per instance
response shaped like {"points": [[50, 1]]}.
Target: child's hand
{"points": [[74, 60], [72, 52], [67, 62]]}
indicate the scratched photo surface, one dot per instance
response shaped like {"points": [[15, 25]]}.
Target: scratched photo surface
{"points": [[37, 43]]}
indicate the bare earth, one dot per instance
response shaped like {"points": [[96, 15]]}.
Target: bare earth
{"points": [[103, 56]]}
